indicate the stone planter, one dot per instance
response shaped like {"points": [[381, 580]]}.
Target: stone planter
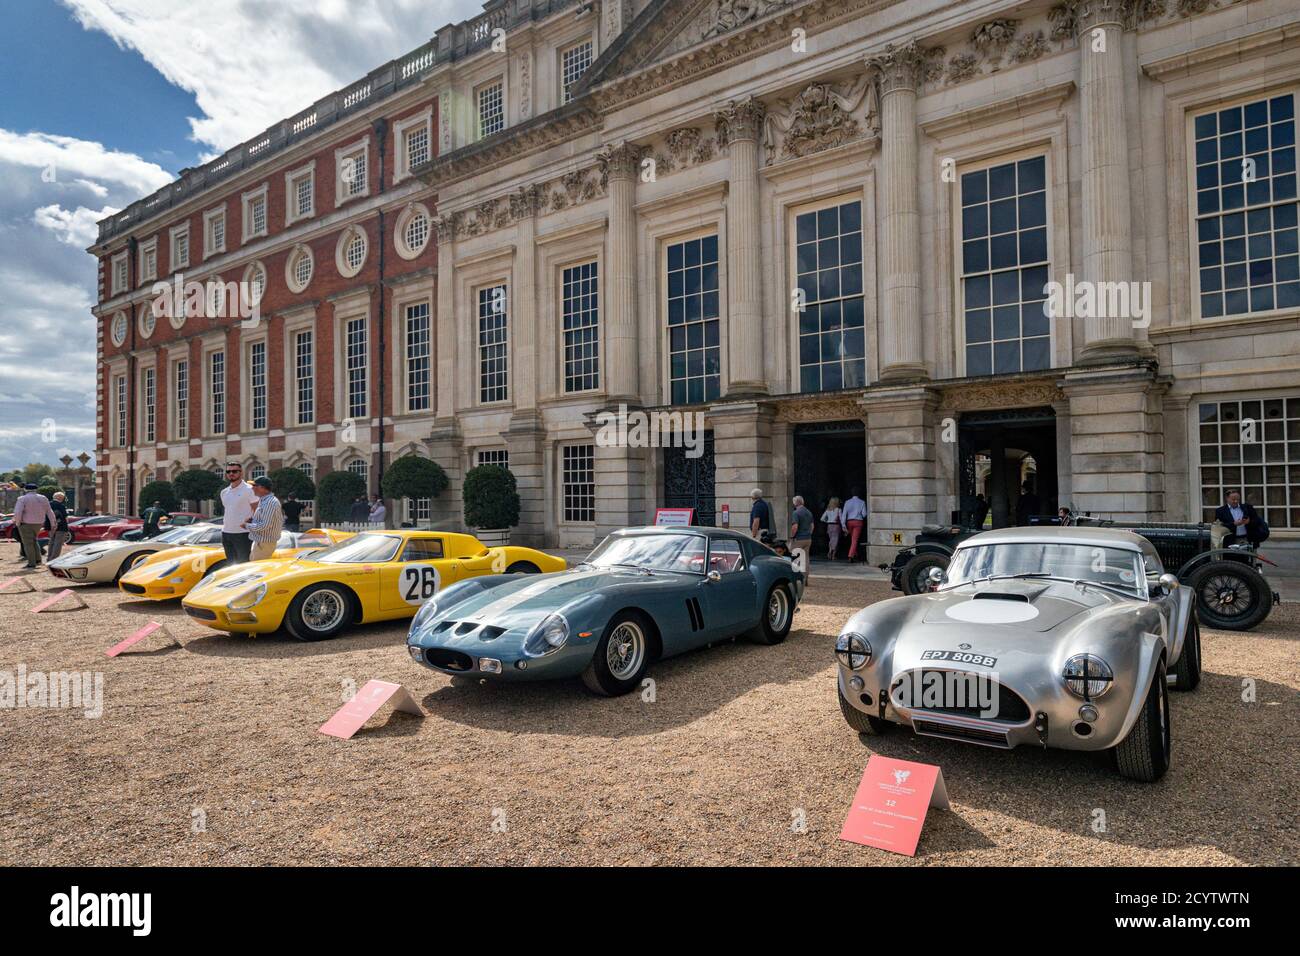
{"points": [[493, 537]]}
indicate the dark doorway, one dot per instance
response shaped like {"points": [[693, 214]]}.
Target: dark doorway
{"points": [[999, 453], [830, 461], [688, 482]]}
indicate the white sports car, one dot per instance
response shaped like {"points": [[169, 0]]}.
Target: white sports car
{"points": [[1053, 637], [105, 561]]}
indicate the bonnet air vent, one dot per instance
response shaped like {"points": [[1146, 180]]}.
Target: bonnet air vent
{"points": [[1000, 596]]}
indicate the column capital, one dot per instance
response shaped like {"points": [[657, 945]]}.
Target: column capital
{"points": [[620, 160], [1076, 17], [905, 67], [740, 120]]}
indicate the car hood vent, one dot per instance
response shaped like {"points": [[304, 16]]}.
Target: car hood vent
{"points": [[1000, 596]]}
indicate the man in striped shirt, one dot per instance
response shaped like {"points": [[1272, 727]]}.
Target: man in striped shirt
{"points": [[267, 522]]}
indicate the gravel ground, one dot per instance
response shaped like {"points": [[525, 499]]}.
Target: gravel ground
{"points": [[208, 753]]}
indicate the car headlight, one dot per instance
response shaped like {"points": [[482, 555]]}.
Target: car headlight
{"points": [[427, 610], [853, 650], [549, 634], [1087, 676], [170, 569], [248, 598]]}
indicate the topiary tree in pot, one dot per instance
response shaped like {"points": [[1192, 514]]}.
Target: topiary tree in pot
{"points": [[197, 486], [491, 503], [159, 491], [413, 477], [335, 493], [292, 481]]}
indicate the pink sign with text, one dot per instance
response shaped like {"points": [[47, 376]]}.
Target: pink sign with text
{"points": [[889, 808], [349, 718]]}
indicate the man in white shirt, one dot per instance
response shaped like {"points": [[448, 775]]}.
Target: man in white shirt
{"points": [[378, 513], [855, 516], [238, 503], [31, 512]]}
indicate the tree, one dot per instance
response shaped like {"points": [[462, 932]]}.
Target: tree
{"points": [[38, 473], [159, 491], [197, 486], [413, 477], [491, 498], [49, 491], [335, 493], [292, 481]]}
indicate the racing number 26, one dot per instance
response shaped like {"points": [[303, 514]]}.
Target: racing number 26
{"points": [[419, 583]]}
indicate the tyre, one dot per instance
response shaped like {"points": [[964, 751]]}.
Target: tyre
{"points": [[1187, 672], [915, 576], [778, 614], [319, 612], [214, 569], [622, 656], [523, 567], [1231, 595], [862, 723], [1144, 754], [126, 565]]}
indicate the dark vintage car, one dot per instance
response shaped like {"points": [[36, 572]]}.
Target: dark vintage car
{"points": [[1231, 591]]}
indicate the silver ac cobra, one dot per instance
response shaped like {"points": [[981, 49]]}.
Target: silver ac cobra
{"points": [[1059, 637]]}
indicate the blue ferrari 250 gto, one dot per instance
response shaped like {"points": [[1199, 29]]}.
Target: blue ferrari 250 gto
{"points": [[642, 594]]}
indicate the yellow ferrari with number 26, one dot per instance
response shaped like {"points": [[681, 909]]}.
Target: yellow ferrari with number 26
{"points": [[375, 576]]}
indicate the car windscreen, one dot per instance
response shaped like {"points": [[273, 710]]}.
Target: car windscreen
{"points": [[362, 549], [656, 552], [180, 536], [1113, 567]]}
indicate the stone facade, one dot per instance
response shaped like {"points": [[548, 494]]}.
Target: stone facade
{"points": [[792, 213]]}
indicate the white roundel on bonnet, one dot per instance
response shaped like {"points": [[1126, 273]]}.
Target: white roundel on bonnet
{"points": [[992, 612]]}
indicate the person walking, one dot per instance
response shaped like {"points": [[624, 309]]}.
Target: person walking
{"points": [[378, 513], [59, 533], [855, 516], [760, 514], [267, 522], [801, 529], [153, 517], [292, 509], [237, 503], [31, 511], [359, 513], [833, 518]]}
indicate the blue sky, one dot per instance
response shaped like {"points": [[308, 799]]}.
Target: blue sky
{"points": [[104, 101]]}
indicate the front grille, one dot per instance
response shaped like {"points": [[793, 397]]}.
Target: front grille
{"points": [[133, 588], [202, 613], [976, 735], [448, 659], [1012, 708]]}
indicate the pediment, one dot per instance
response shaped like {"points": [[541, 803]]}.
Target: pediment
{"points": [[667, 28]]}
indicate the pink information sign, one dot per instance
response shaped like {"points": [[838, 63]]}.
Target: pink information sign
{"points": [[349, 718], [889, 808], [54, 599], [150, 628], [8, 585]]}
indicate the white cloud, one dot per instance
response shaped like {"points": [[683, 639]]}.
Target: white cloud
{"points": [[77, 227], [251, 63], [53, 158]]}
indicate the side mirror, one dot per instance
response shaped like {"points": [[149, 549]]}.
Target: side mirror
{"points": [[1169, 582], [714, 577], [935, 576]]}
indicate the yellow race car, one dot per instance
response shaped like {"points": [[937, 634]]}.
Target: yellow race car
{"points": [[375, 576], [167, 575]]}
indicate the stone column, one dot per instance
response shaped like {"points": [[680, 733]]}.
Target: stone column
{"points": [[444, 441], [743, 460], [738, 128], [899, 71], [525, 439], [621, 367], [902, 491], [1106, 223]]}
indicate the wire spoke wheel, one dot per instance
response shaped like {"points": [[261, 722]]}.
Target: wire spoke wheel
{"points": [[625, 650], [1226, 595], [778, 609], [323, 610]]}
